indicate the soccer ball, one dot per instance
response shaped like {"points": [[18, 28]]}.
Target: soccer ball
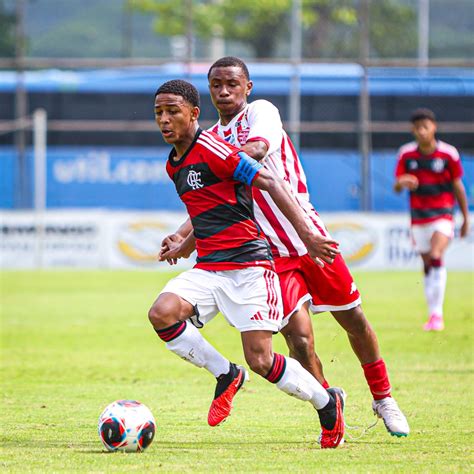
{"points": [[126, 425]]}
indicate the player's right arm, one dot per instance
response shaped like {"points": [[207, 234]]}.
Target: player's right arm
{"points": [[184, 229], [180, 244], [403, 180], [172, 249]]}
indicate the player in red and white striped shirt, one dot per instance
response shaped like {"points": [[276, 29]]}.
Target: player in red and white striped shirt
{"points": [[431, 170], [258, 130]]}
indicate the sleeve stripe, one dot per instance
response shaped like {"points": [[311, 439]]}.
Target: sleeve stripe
{"points": [[449, 150], [216, 143], [210, 147]]}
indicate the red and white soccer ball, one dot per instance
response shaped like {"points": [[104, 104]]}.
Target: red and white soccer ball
{"points": [[126, 425]]}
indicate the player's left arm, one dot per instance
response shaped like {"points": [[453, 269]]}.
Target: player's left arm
{"points": [[456, 170], [460, 193], [252, 173]]}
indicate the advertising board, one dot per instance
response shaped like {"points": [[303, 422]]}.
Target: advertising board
{"points": [[132, 240]]}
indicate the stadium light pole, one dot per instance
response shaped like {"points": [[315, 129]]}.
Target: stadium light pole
{"points": [[364, 107], [295, 89]]}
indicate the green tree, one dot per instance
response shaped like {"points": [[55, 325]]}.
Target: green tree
{"points": [[261, 24], [326, 26], [393, 29], [257, 23], [7, 32], [331, 27]]}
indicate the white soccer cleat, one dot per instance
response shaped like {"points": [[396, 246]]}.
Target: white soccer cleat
{"points": [[392, 416]]}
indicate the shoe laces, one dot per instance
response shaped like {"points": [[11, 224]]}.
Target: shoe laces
{"points": [[361, 429], [389, 406]]}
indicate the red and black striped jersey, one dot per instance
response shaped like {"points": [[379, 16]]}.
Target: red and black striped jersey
{"points": [[212, 179], [434, 198]]}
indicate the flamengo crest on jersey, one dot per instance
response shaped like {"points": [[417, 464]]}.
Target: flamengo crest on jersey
{"points": [[260, 121], [194, 179], [434, 197], [212, 180]]}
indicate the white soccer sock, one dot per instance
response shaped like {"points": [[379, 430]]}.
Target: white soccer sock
{"points": [[438, 284], [429, 289], [191, 346], [299, 383]]}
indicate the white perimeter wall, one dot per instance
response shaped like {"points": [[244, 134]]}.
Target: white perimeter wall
{"points": [[110, 239]]}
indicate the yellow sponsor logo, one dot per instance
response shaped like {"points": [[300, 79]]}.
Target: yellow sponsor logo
{"points": [[356, 241], [141, 241]]}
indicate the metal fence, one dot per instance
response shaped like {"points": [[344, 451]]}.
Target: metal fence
{"points": [[422, 34]]}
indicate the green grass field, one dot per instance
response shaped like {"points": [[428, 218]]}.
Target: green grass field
{"points": [[72, 342]]}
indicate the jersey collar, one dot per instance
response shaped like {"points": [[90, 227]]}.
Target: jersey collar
{"points": [[429, 155], [237, 117], [185, 154]]}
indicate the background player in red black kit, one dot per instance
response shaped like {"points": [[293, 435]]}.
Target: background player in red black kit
{"points": [[431, 170], [234, 270], [257, 129]]}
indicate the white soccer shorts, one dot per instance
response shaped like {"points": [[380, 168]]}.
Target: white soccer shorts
{"points": [[249, 298], [422, 233]]}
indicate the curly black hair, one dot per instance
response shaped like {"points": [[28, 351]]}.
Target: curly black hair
{"points": [[230, 61], [183, 88]]}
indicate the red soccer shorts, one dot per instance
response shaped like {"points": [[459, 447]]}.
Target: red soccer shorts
{"points": [[330, 288]]}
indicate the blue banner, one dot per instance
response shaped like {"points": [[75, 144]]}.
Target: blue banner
{"points": [[136, 178]]}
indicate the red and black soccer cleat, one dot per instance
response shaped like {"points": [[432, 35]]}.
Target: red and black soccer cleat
{"points": [[227, 386], [332, 420]]}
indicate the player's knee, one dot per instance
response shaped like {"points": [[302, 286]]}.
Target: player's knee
{"points": [[358, 325], [155, 316], [436, 258], [161, 314]]}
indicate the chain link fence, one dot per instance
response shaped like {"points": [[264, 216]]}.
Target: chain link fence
{"points": [[405, 53]]}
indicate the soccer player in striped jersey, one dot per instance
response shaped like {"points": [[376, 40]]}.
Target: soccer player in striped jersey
{"points": [[258, 130], [431, 170], [234, 271]]}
